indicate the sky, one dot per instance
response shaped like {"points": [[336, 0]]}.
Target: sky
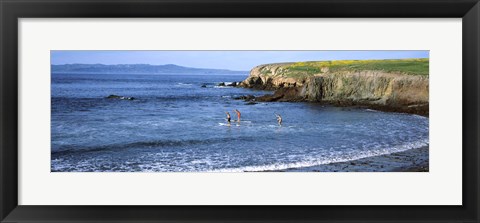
{"points": [[232, 60]]}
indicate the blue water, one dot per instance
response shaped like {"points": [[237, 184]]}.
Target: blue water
{"points": [[176, 125]]}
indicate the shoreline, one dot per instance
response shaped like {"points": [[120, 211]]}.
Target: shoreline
{"points": [[422, 110], [280, 96], [412, 160]]}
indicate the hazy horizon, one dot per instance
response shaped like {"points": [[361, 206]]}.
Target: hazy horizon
{"points": [[229, 60], [148, 65]]}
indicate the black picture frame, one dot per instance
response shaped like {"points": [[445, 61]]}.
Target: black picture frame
{"points": [[12, 10]]}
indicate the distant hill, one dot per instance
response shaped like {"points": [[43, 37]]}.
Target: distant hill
{"points": [[137, 69]]}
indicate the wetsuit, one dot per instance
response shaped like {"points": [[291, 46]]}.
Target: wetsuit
{"points": [[279, 119]]}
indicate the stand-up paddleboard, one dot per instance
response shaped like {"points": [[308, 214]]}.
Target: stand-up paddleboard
{"points": [[234, 122]]}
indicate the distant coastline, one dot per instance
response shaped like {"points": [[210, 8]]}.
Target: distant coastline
{"points": [[138, 69]]}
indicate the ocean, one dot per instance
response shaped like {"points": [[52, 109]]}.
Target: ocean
{"points": [[176, 125]]}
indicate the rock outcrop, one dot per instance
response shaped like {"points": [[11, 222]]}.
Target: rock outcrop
{"points": [[390, 91], [268, 77], [112, 96]]}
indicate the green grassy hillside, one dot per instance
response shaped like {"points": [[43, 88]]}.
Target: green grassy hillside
{"points": [[305, 69]]}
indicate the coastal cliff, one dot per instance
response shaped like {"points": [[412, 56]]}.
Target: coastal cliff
{"points": [[391, 85]]}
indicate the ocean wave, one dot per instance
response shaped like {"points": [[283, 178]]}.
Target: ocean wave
{"points": [[302, 164], [181, 98], [183, 84], [63, 163], [156, 144]]}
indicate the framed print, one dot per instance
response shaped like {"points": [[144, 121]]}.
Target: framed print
{"points": [[174, 98], [230, 111]]}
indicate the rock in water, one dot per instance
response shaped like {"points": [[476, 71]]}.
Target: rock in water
{"points": [[245, 97], [204, 85], [233, 84], [221, 84], [113, 96], [249, 97]]}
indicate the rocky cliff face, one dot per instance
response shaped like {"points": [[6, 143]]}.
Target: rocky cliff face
{"points": [[382, 90], [269, 77]]}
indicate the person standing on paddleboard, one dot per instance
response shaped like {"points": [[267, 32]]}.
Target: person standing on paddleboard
{"points": [[279, 119], [228, 117], [238, 115]]}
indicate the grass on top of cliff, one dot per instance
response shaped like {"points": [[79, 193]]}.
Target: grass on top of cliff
{"points": [[404, 66]]}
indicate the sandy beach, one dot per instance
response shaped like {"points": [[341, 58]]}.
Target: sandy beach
{"points": [[413, 160]]}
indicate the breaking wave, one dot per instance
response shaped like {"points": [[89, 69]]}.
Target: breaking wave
{"points": [[302, 164]]}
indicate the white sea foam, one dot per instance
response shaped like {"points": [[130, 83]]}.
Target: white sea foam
{"points": [[183, 84], [284, 166], [96, 165]]}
